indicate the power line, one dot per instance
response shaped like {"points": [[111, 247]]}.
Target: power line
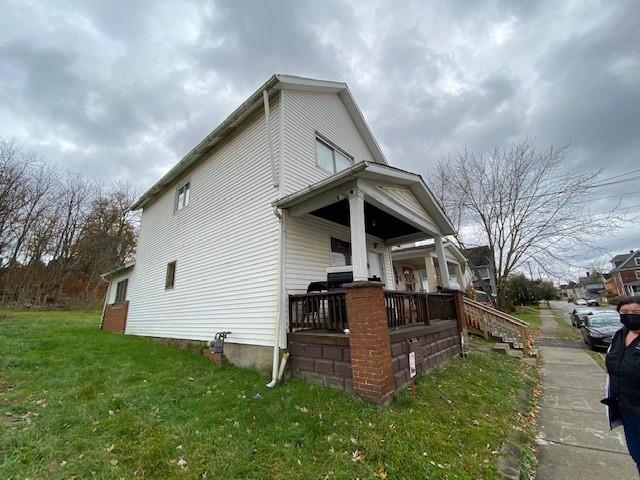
{"points": [[541, 195]]}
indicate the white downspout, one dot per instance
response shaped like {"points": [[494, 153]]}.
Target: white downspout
{"points": [[277, 366]]}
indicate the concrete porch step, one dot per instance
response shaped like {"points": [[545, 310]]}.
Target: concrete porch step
{"points": [[501, 348]]}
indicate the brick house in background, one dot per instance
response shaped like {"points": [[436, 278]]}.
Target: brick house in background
{"points": [[626, 273]]}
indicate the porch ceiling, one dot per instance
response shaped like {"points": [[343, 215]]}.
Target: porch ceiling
{"points": [[377, 222]]}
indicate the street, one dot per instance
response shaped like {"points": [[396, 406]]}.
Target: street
{"points": [[574, 439]]}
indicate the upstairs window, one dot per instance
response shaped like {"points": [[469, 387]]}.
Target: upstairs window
{"points": [[170, 278], [331, 159], [340, 253], [182, 196], [121, 291], [638, 274], [637, 259]]}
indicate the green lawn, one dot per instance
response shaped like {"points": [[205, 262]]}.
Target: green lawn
{"points": [[531, 315], [76, 402]]}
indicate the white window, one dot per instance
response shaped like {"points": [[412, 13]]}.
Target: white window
{"points": [[638, 274], [331, 159], [637, 259], [340, 252], [483, 273], [182, 196]]}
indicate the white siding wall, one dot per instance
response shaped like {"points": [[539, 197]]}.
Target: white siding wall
{"points": [[308, 251], [224, 243], [114, 285], [304, 114]]}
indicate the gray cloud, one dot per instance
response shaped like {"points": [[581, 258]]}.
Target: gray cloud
{"points": [[125, 92]]}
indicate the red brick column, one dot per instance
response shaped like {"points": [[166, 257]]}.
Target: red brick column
{"points": [[369, 342]]}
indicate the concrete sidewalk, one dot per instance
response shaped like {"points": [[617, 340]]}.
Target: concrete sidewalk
{"points": [[574, 439]]}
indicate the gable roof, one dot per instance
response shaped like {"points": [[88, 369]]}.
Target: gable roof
{"points": [[228, 127], [626, 260], [375, 172]]}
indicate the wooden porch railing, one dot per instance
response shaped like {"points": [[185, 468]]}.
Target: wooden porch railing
{"points": [[414, 308], [318, 311], [494, 323]]}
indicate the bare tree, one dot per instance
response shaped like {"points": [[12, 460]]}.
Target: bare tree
{"points": [[523, 203]]}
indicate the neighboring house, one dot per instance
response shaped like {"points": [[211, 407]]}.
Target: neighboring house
{"points": [[290, 187], [591, 286], [481, 263], [626, 273], [569, 290], [416, 267]]}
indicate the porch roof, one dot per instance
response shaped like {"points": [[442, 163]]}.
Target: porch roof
{"points": [[327, 199], [421, 250]]}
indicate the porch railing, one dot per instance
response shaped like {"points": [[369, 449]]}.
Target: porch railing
{"points": [[494, 323], [417, 308], [328, 310], [318, 311]]}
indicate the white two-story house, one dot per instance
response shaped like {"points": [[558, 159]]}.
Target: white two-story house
{"points": [[290, 187]]}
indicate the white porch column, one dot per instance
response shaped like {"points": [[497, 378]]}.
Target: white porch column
{"points": [[442, 261], [432, 277], [358, 236], [460, 276]]}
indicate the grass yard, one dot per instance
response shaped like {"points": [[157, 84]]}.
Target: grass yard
{"points": [[565, 330], [76, 402], [531, 315]]}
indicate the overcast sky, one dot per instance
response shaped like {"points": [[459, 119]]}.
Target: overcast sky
{"points": [[124, 90]]}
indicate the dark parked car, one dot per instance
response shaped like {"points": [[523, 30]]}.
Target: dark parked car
{"points": [[598, 329], [579, 315]]}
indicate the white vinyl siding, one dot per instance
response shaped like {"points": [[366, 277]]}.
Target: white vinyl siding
{"points": [[307, 115], [225, 245], [308, 251]]}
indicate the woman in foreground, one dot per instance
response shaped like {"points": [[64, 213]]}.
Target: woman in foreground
{"points": [[623, 366]]}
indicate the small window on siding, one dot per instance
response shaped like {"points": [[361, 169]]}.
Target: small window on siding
{"points": [[170, 279], [183, 195], [637, 259], [331, 159], [121, 291], [340, 252], [638, 274]]}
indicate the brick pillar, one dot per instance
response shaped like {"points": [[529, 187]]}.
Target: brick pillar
{"points": [[369, 342]]}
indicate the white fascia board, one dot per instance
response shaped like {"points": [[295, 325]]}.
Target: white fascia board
{"points": [[227, 127]]}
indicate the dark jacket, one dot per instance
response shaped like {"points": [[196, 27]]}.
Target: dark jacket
{"points": [[623, 382]]}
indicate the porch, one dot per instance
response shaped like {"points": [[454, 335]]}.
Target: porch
{"points": [[339, 235]]}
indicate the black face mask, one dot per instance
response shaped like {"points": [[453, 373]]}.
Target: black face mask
{"points": [[630, 320]]}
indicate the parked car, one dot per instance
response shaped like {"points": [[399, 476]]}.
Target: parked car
{"points": [[598, 329], [579, 315], [580, 301], [592, 302]]}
